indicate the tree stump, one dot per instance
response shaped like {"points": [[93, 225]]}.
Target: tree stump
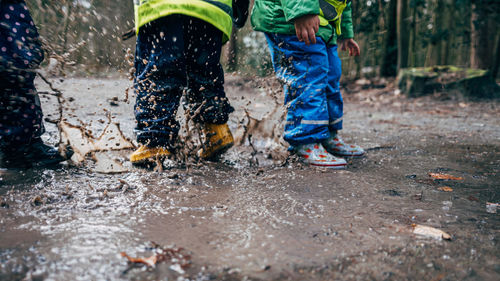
{"points": [[420, 81]]}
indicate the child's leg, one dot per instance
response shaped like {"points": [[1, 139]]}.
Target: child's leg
{"points": [[303, 70], [334, 144], [20, 53], [21, 114], [160, 80], [333, 95], [207, 100], [206, 96]]}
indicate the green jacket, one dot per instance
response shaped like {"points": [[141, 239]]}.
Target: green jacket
{"points": [[277, 16], [216, 12]]}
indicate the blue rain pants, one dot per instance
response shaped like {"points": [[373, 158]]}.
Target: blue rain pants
{"points": [[173, 54], [310, 75], [20, 53]]}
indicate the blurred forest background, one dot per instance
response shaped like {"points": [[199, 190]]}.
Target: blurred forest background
{"points": [[393, 34]]}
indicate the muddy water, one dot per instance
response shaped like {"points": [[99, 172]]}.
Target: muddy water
{"points": [[258, 214]]}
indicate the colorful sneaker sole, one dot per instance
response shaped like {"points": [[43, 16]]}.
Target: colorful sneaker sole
{"points": [[347, 153], [336, 166], [331, 165]]}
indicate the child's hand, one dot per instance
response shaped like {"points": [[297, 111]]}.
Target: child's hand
{"points": [[351, 45], [306, 28]]}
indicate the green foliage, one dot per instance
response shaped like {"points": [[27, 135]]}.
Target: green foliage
{"points": [[370, 15], [255, 54], [85, 32], [440, 33]]}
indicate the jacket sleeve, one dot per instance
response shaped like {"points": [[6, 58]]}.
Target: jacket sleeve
{"points": [[240, 12], [346, 23], [297, 8]]}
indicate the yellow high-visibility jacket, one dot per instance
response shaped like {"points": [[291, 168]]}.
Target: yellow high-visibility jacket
{"points": [[216, 12]]}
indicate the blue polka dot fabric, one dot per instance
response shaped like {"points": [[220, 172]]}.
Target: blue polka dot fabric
{"points": [[19, 42], [20, 53]]}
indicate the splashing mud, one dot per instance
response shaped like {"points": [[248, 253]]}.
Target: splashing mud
{"points": [[258, 214]]}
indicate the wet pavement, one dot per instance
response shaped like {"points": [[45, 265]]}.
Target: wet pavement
{"points": [[259, 214]]}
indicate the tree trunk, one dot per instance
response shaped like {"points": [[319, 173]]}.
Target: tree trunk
{"points": [[496, 65], [403, 29], [65, 35], [450, 39], [480, 54], [382, 28], [390, 61], [413, 36], [436, 52]]}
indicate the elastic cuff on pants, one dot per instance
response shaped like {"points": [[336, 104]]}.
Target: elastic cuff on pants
{"points": [[316, 138], [335, 127], [156, 140]]}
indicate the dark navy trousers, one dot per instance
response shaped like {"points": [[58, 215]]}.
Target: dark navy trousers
{"points": [[174, 54], [20, 54]]}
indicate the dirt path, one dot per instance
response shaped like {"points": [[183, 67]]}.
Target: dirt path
{"points": [[258, 215]]}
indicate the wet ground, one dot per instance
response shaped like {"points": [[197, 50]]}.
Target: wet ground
{"points": [[258, 214]]}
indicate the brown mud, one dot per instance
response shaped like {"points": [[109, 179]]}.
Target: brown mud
{"points": [[259, 214]]}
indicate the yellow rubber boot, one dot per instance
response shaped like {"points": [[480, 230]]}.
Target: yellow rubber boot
{"points": [[144, 154], [218, 140]]}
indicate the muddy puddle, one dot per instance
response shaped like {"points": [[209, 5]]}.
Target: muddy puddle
{"points": [[258, 214]]}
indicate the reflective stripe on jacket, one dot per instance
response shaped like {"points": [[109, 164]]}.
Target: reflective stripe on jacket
{"points": [[216, 12]]}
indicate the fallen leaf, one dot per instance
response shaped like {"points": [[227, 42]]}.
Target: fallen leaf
{"points": [[430, 232], [439, 176], [174, 255], [418, 196], [445, 188], [472, 198], [151, 261], [37, 201], [439, 277]]}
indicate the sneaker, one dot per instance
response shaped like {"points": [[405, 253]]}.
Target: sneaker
{"points": [[336, 146], [218, 139], [316, 155], [146, 154]]}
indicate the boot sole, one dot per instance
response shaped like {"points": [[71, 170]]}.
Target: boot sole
{"points": [[147, 161], [218, 152], [144, 164], [142, 160], [54, 163], [329, 166], [336, 153], [347, 155]]}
